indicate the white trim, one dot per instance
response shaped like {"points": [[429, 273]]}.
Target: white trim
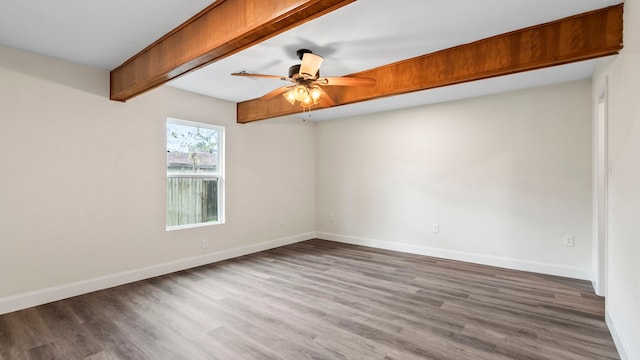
{"points": [[191, 226], [503, 262], [194, 175], [623, 351], [601, 173], [38, 297]]}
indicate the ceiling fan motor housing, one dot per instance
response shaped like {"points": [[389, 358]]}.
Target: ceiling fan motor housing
{"points": [[300, 53], [294, 72]]}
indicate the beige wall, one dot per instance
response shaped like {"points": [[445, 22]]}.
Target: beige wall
{"points": [[623, 76], [82, 186], [505, 176]]}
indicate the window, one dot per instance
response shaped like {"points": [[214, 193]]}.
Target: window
{"points": [[195, 174]]}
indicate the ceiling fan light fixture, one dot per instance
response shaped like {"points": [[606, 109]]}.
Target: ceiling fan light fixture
{"points": [[307, 102], [300, 92], [317, 94], [290, 96]]}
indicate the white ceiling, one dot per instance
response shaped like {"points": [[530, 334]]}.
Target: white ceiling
{"points": [[359, 36], [98, 33]]}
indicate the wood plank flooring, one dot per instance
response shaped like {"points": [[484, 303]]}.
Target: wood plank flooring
{"points": [[321, 300]]}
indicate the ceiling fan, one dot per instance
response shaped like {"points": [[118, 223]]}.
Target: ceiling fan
{"points": [[307, 83]]}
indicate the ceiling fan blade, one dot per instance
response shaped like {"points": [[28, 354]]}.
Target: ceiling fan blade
{"points": [[328, 101], [346, 81], [259, 75], [310, 65], [276, 92]]}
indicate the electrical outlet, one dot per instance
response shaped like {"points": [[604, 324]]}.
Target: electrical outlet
{"points": [[569, 241], [332, 218], [282, 220], [435, 228], [205, 243]]}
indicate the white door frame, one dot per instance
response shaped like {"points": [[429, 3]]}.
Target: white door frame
{"points": [[602, 172]]}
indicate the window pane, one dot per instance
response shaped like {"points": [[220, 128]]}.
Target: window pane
{"points": [[193, 173], [191, 149]]}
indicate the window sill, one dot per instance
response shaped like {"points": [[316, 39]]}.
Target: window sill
{"points": [[191, 226]]}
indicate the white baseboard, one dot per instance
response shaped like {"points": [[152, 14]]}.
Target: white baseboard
{"points": [[43, 296], [508, 263], [617, 339]]}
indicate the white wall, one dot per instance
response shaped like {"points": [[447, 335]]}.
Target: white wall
{"points": [[623, 292], [82, 190], [505, 176]]}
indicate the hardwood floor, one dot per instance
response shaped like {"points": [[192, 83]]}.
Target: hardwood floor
{"points": [[321, 300]]}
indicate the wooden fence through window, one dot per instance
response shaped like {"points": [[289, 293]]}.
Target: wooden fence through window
{"points": [[191, 200]]}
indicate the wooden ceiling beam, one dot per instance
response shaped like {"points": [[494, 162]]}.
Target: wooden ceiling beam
{"points": [[222, 29], [576, 38]]}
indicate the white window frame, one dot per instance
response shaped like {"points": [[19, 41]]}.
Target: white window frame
{"points": [[219, 175]]}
